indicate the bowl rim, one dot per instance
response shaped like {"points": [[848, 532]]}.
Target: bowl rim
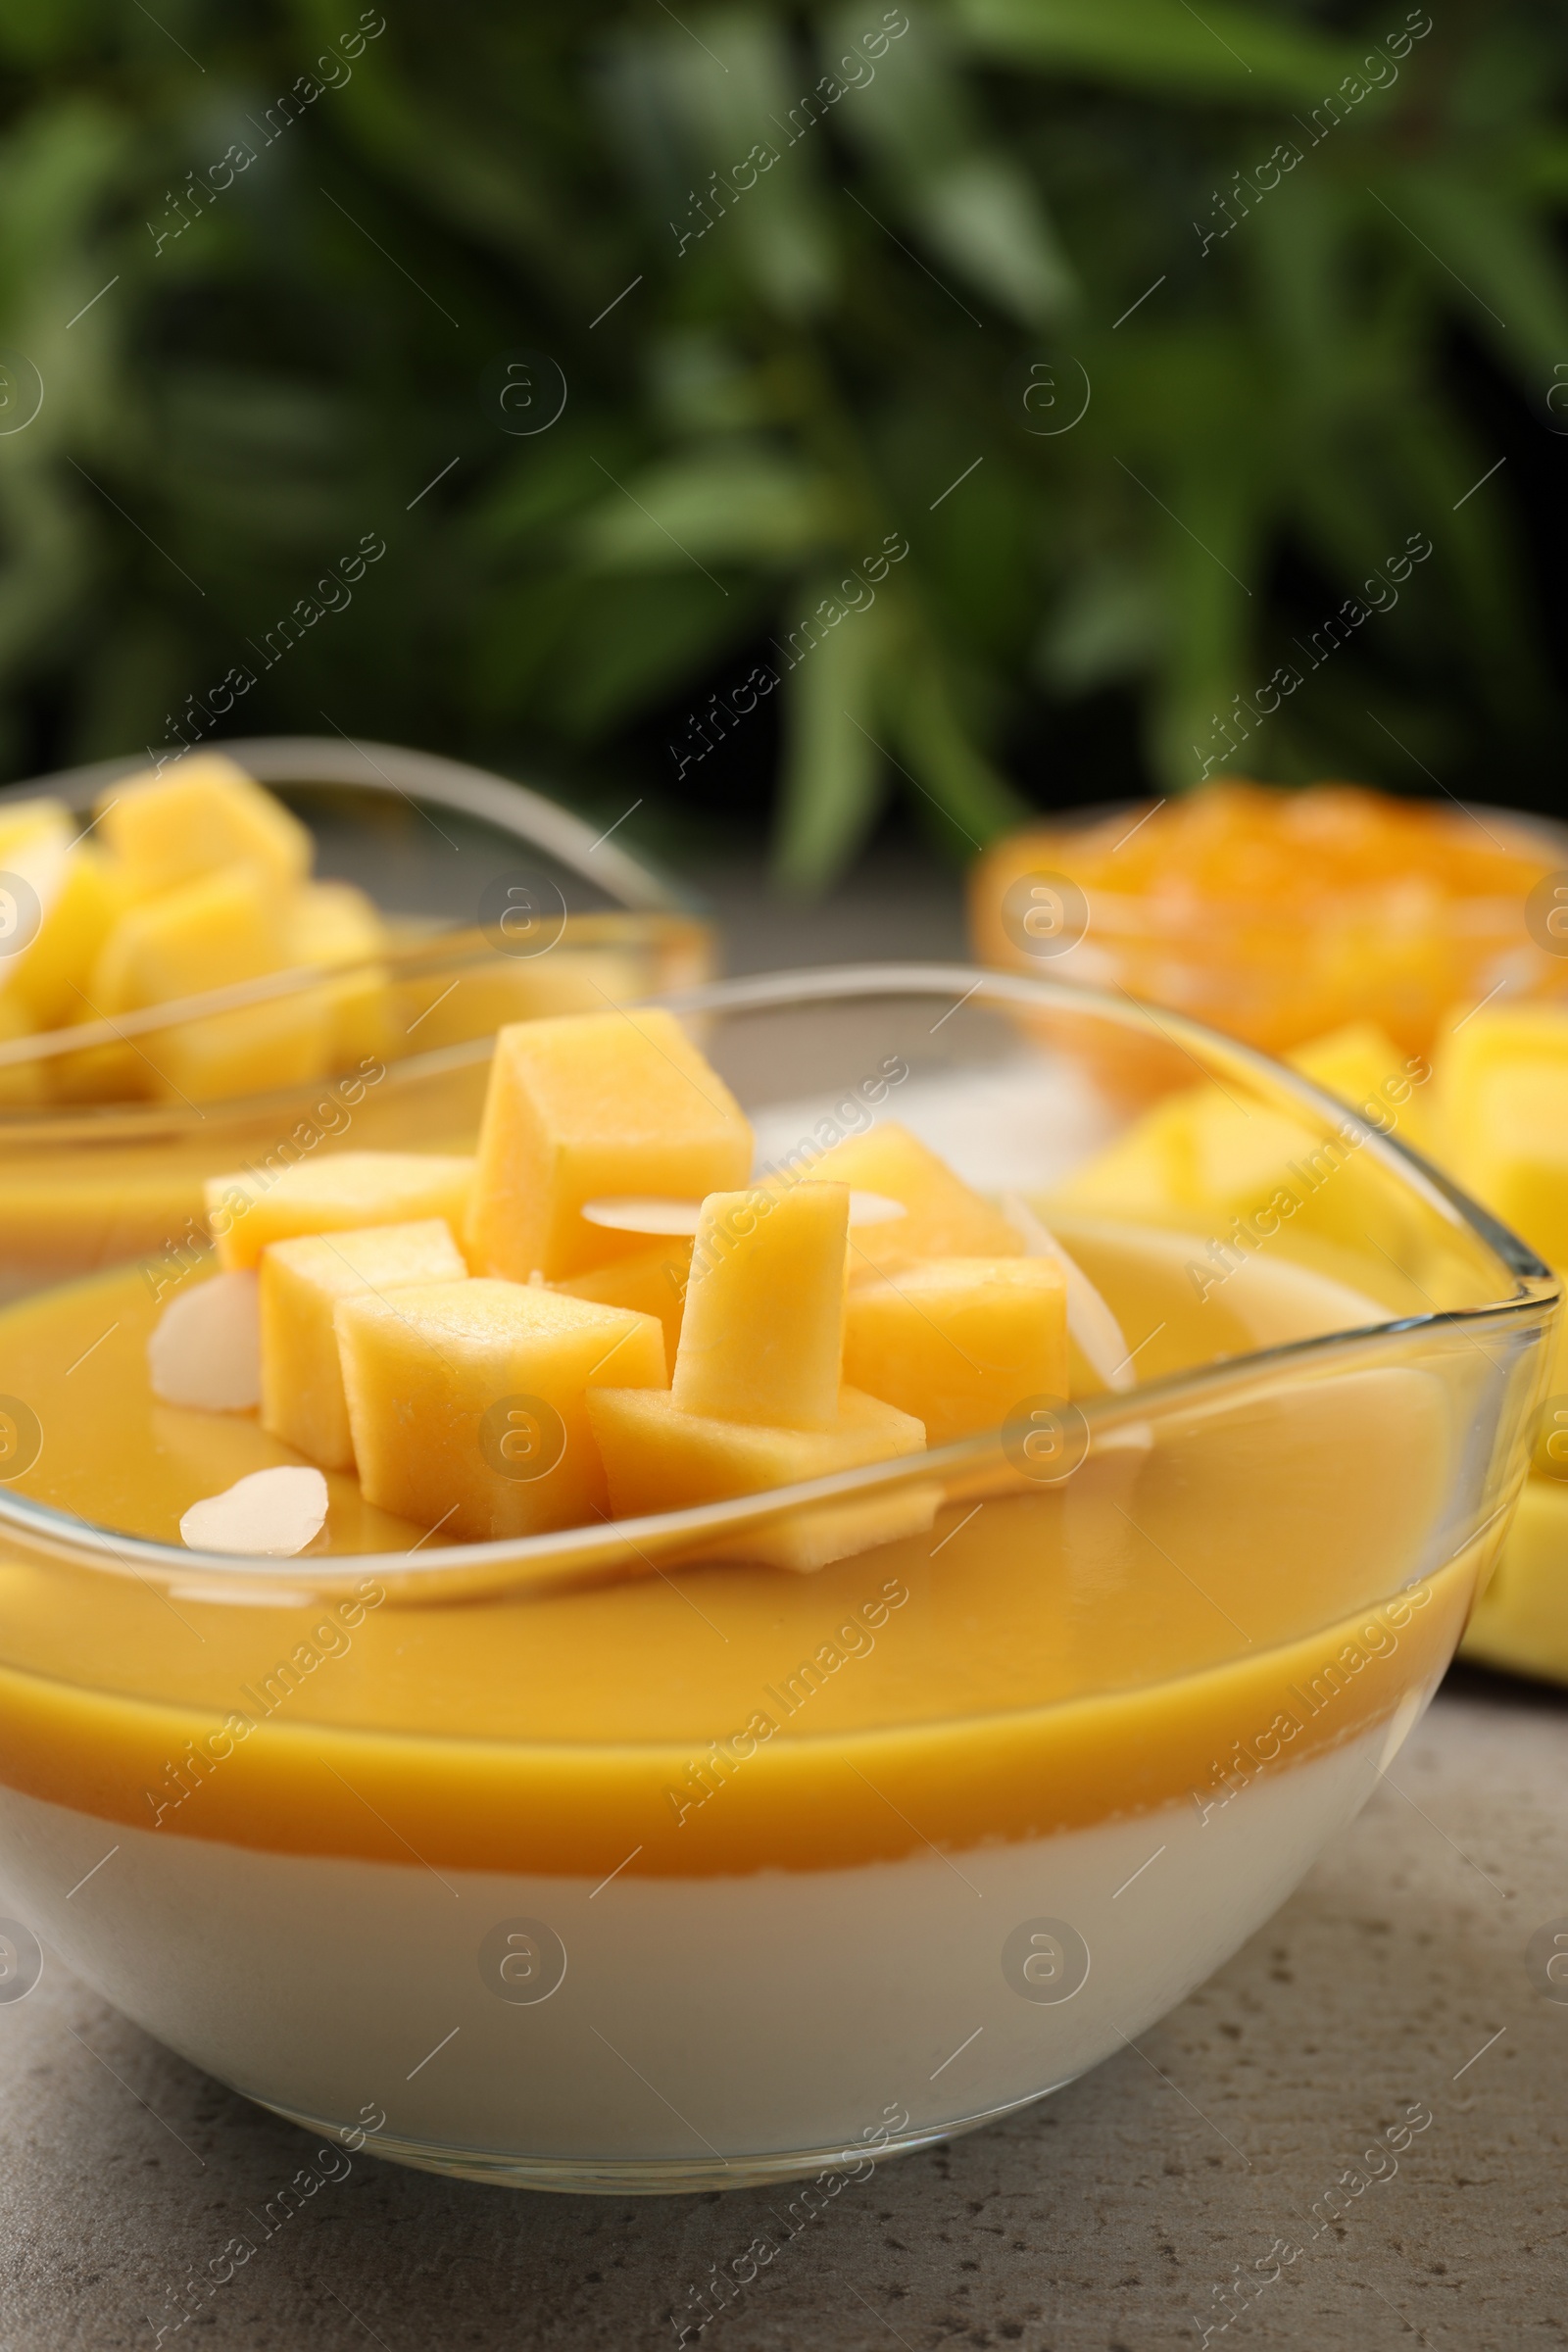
{"points": [[1174, 918], [133, 1121], [394, 769], [565, 1558]]}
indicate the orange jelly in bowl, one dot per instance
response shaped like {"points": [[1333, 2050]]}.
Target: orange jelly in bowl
{"points": [[1280, 914]]}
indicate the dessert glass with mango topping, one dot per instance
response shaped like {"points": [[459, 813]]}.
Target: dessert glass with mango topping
{"points": [[808, 1586]]}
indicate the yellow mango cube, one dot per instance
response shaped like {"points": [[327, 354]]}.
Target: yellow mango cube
{"points": [[492, 994], [1512, 1150], [22, 1083], [1502, 1081], [57, 900], [958, 1342], [652, 1282], [286, 1041], [204, 814], [300, 1283], [468, 1401], [586, 1107], [23, 823], [942, 1217], [1520, 1622], [1490, 1037], [102, 1074], [1207, 1156], [335, 1193], [53, 974], [209, 934], [1141, 1174], [332, 924], [658, 1459], [1365, 1068], [761, 1339]]}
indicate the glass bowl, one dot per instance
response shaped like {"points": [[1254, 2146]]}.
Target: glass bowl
{"points": [[603, 1861], [1276, 970], [502, 904]]}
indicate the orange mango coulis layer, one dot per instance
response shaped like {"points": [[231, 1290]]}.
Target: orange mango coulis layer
{"points": [[1226, 1600]]}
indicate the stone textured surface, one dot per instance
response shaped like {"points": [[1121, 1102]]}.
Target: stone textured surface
{"points": [[1118, 2213]]}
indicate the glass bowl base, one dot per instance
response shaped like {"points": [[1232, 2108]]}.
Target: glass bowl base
{"points": [[639, 2176]]}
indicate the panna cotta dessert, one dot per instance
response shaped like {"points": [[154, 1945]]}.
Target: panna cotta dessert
{"points": [[815, 1626]]}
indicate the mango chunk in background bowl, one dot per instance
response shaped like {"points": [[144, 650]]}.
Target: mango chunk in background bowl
{"points": [[1490, 1107]]}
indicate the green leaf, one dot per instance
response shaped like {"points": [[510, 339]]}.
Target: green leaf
{"points": [[834, 775], [1158, 45], [646, 639], [737, 505], [972, 202], [1108, 625], [942, 760], [1498, 269]]}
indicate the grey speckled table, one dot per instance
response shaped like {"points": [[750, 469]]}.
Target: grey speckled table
{"points": [[1116, 2213]]}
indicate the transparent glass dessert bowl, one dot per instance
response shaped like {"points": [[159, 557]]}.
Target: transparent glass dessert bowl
{"points": [[502, 904], [595, 1862]]}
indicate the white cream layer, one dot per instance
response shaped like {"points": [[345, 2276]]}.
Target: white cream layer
{"points": [[697, 2016]]}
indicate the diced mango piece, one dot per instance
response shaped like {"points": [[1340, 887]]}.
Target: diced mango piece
{"points": [[300, 1283], [53, 974], [101, 1073], [1502, 1081], [958, 1342], [1521, 1620], [285, 1041], [651, 1283], [1501, 1035], [1511, 1151], [468, 1401], [762, 1335], [23, 823], [204, 814], [1232, 1155], [1207, 1155], [22, 1083], [1365, 1068], [336, 1192], [590, 1106], [942, 1217], [658, 1459], [208, 934], [332, 925], [1141, 1174], [528, 988]]}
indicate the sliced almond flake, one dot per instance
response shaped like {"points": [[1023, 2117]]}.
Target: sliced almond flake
{"points": [[633, 1214], [206, 1347], [1089, 1320], [875, 1208], [274, 1512]]}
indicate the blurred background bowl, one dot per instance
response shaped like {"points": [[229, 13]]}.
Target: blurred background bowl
{"points": [[502, 906]]}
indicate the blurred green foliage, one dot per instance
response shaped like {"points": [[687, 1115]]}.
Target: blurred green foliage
{"points": [[976, 215]]}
